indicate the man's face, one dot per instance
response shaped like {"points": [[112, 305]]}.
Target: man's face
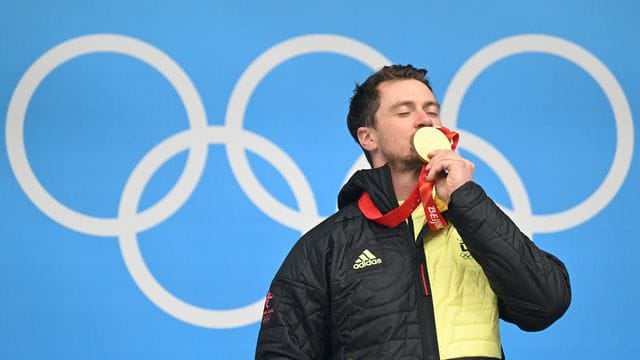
{"points": [[405, 106]]}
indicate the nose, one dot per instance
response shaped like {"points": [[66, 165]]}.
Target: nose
{"points": [[424, 119]]}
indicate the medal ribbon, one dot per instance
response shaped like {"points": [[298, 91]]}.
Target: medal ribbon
{"points": [[422, 193]]}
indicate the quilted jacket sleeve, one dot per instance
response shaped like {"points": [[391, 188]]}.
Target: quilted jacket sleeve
{"points": [[532, 285], [294, 317]]}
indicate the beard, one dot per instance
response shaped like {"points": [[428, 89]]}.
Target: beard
{"points": [[406, 163]]}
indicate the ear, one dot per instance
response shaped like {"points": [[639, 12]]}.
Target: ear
{"points": [[367, 138]]}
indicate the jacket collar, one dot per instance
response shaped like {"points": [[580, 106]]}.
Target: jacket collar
{"points": [[377, 182]]}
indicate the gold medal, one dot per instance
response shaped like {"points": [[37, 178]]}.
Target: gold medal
{"points": [[428, 139]]}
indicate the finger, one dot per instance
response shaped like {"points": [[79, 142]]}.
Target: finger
{"points": [[435, 153], [439, 155], [438, 167], [443, 156], [449, 164]]}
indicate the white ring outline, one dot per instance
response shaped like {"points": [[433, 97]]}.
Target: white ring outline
{"points": [[64, 52], [498, 162], [246, 85], [146, 168], [619, 169]]}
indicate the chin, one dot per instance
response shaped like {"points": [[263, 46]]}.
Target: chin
{"points": [[412, 163], [415, 165]]}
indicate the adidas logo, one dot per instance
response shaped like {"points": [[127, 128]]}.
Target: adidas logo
{"points": [[366, 259]]}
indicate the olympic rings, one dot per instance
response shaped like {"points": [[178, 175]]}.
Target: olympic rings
{"points": [[236, 139], [622, 112]]}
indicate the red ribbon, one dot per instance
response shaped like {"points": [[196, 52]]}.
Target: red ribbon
{"points": [[422, 193]]}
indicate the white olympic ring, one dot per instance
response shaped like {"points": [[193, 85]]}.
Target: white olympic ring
{"points": [[64, 52], [509, 46], [236, 139], [257, 70], [127, 214], [506, 173]]}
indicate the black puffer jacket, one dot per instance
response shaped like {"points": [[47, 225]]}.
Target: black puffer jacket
{"points": [[320, 307]]}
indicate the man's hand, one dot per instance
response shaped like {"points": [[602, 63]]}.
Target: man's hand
{"points": [[448, 171]]}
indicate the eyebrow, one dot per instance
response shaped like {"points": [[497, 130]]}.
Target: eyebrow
{"points": [[433, 103], [410, 104]]}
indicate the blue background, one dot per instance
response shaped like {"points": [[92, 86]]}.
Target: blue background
{"points": [[66, 294]]}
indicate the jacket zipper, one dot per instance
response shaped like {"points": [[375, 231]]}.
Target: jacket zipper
{"points": [[426, 311]]}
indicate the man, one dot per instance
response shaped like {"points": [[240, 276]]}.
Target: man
{"points": [[353, 288]]}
